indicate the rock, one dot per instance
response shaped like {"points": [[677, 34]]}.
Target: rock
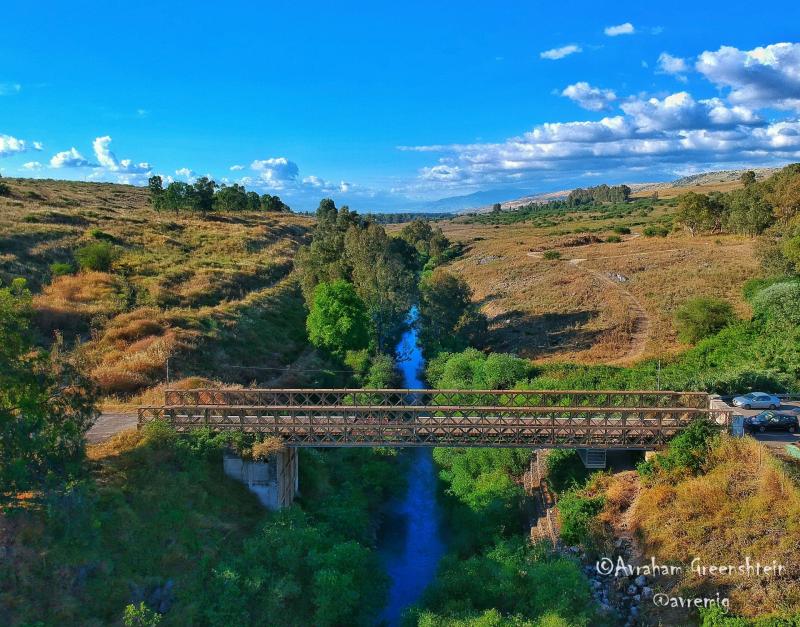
{"points": [[647, 592], [596, 584], [640, 581], [618, 544], [634, 611], [631, 590], [637, 597]]}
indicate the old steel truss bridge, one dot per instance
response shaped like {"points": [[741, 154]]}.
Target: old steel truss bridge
{"points": [[633, 420]]}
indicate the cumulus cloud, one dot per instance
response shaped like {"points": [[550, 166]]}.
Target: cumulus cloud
{"points": [[70, 159], [588, 97], [766, 76], [11, 145], [276, 172], [620, 29], [681, 111], [32, 165], [108, 159], [186, 173], [236, 168], [560, 53], [668, 64]]}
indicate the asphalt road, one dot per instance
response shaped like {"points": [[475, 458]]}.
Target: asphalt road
{"points": [[109, 424], [774, 440]]}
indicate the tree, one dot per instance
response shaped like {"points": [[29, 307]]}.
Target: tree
{"points": [[698, 212], [749, 212], [448, 318], [784, 192], [748, 178], [338, 319], [382, 279], [496, 207], [155, 185], [702, 316], [231, 198], [46, 405], [201, 194]]}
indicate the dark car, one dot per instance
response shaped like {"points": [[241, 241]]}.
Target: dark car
{"points": [[772, 421]]}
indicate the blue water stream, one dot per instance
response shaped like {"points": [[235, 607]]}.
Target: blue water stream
{"points": [[410, 543]]}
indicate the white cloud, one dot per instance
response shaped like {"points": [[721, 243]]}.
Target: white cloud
{"points": [[11, 145], [442, 173], [620, 29], [70, 159], [32, 165], [766, 76], [677, 66], [560, 53], [108, 159], [276, 172], [236, 168], [682, 112], [588, 97], [186, 173]]}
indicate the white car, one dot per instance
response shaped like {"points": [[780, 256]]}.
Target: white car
{"points": [[757, 400]]}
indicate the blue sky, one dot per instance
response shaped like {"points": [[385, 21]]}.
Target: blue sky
{"points": [[386, 106]]}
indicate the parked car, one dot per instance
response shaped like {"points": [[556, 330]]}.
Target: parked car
{"points": [[772, 421], [757, 400]]}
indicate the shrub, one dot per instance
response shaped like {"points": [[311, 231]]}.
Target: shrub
{"points": [[576, 513], [613, 239], [5, 190], [97, 256], [703, 316], [686, 453], [96, 233], [59, 268], [140, 616], [552, 254], [622, 230], [779, 304], [655, 231]]}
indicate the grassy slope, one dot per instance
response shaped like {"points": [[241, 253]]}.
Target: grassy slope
{"points": [[205, 291], [743, 504], [579, 311]]}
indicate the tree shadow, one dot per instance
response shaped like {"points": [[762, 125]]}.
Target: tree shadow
{"points": [[536, 336]]}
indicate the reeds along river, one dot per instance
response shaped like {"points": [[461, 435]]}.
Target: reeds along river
{"points": [[411, 542]]}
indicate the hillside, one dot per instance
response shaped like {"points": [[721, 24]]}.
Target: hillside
{"points": [[204, 291]]}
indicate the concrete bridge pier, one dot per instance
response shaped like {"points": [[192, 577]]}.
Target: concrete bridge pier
{"points": [[275, 480], [593, 457]]}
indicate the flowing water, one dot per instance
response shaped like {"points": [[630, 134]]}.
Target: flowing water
{"points": [[410, 542]]}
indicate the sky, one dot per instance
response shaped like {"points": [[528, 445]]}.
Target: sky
{"points": [[389, 106]]}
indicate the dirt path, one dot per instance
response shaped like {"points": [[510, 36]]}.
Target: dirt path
{"points": [[110, 423], [640, 329]]}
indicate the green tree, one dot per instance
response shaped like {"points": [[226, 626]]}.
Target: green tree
{"points": [[702, 316], [748, 178], [338, 320], [749, 212], [699, 212], [155, 186], [201, 194], [231, 198], [496, 207], [448, 318], [46, 406], [783, 192]]}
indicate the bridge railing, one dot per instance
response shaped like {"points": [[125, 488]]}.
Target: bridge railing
{"points": [[402, 397]]}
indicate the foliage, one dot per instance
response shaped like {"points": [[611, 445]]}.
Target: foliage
{"points": [[701, 317], [565, 471], [382, 372], [46, 405], [5, 190], [576, 513], [622, 230], [97, 256], [551, 255], [474, 369], [655, 231], [749, 211], [508, 584], [613, 239], [779, 304], [686, 453], [600, 193], [59, 268], [338, 319], [205, 195], [448, 318], [701, 212], [140, 616]]}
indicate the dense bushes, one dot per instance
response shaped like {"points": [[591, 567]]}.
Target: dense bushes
{"points": [[701, 317], [686, 453], [576, 513], [473, 369], [97, 256], [779, 304], [338, 320], [46, 404]]}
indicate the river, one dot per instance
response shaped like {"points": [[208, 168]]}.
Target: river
{"points": [[410, 542]]}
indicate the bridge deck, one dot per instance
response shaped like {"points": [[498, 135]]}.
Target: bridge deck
{"points": [[402, 418]]}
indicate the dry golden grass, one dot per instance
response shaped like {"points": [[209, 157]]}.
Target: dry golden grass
{"points": [[262, 450], [672, 192], [576, 308], [188, 287], [744, 506]]}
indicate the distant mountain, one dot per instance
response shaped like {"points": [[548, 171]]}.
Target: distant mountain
{"points": [[470, 201]]}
